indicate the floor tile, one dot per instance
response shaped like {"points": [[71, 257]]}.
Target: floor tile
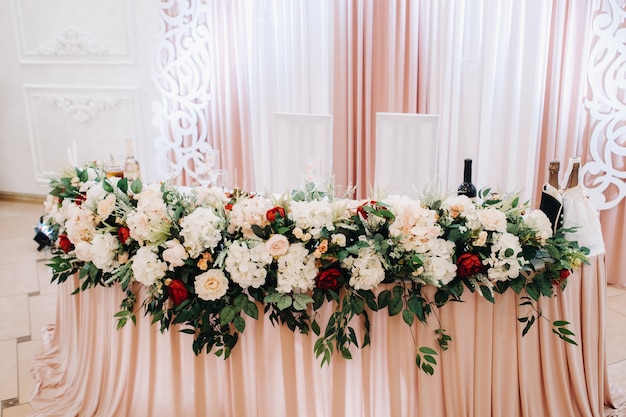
{"points": [[21, 410], [8, 369], [42, 312], [617, 374], [615, 337], [612, 290], [25, 353], [44, 274], [18, 278], [14, 317], [19, 249], [617, 303]]}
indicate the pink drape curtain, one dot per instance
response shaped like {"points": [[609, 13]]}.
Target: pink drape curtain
{"points": [[229, 108], [567, 124], [376, 62]]}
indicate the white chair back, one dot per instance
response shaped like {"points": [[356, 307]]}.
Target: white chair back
{"points": [[302, 147], [406, 152]]}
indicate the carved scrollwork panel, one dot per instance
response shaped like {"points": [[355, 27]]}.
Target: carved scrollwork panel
{"points": [[605, 173]]}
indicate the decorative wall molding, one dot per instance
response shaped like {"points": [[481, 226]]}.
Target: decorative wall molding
{"points": [[73, 42], [82, 108], [605, 173], [182, 76]]}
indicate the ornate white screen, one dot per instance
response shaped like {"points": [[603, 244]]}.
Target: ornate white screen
{"points": [[183, 79], [605, 173]]}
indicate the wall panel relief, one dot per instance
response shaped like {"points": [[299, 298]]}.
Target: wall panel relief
{"points": [[74, 31], [96, 119], [605, 173]]}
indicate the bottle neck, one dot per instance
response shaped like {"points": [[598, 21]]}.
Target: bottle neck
{"points": [[467, 171], [573, 177], [553, 179]]}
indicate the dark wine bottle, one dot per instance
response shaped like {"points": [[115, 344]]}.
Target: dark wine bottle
{"points": [[466, 187]]}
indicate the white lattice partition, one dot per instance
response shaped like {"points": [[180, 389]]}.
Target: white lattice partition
{"points": [[183, 78], [605, 173]]}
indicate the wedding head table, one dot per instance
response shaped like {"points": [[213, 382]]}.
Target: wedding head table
{"points": [[194, 302]]}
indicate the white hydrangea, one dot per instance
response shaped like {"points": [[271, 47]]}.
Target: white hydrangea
{"points": [[505, 261], [201, 230], [149, 223], [415, 226], [246, 262], [296, 270], [439, 270], [312, 216], [366, 270], [246, 213], [147, 267], [538, 221], [104, 251]]}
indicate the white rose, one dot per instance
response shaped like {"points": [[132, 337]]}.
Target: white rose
{"points": [[492, 219], [83, 251], [175, 254], [538, 221], [277, 245], [481, 240], [339, 239], [211, 285]]}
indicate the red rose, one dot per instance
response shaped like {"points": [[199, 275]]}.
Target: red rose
{"points": [[177, 291], [329, 279], [469, 264], [563, 275], [228, 207], [64, 243], [123, 233], [274, 212], [361, 209]]}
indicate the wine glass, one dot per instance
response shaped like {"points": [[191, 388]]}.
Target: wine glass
{"points": [[205, 169]]}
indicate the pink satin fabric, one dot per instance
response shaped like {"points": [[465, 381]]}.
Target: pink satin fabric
{"points": [[91, 369]]}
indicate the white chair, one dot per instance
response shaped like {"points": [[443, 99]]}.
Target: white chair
{"points": [[406, 152], [302, 150]]}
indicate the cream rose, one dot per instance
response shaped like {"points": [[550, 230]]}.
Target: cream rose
{"points": [[277, 245], [211, 285], [492, 219], [106, 206]]}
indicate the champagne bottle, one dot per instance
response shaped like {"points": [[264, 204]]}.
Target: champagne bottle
{"points": [[573, 176], [553, 169], [466, 187], [131, 166]]}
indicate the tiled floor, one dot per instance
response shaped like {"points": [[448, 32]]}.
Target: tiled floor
{"points": [[28, 300]]}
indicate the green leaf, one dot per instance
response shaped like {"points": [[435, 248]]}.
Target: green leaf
{"points": [[251, 310], [239, 323], [316, 328], [227, 315], [300, 301], [284, 302], [395, 306], [383, 299], [415, 305], [560, 323], [427, 351], [408, 317], [136, 186]]}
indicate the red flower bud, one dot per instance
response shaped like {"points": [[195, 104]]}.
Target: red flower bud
{"points": [[469, 264], [64, 243], [123, 233], [273, 213], [177, 291], [80, 198]]}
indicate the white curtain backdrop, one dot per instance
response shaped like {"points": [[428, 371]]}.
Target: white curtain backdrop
{"points": [[289, 63]]}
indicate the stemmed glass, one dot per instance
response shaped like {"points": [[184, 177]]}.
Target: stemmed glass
{"points": [[205, 171]]}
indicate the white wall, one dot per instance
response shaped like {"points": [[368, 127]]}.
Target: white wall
{"points": [[74, 71]]}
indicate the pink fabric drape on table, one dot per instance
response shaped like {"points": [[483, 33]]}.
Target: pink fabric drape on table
{"points": [[90, 369]]}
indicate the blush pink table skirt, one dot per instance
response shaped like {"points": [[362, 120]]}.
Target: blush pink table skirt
{"points": [[89, 368]]}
